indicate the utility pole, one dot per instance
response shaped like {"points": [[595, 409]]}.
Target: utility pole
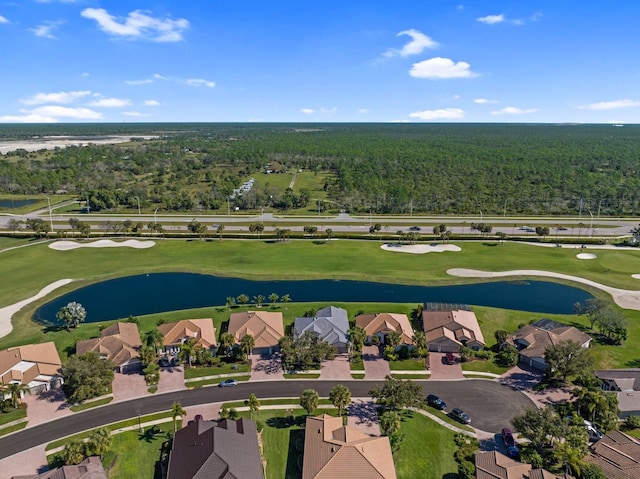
{"points": [[139, 213], [580, 212], [50, 219], [591, 225]]}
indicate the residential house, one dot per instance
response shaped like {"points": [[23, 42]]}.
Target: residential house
{"points": [[90, 468], [617, 454], [532, 340], [224, 449], [266, 328], [332, 450], [495, 465], [201, 331], [330, 324], [120, 343], [626, 382], [35, 365], [381, 324], [448, 330]]}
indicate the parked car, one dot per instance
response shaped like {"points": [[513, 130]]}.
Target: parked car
{"points": [[228, 383], [507, 437], [436, 402], [451, 359], [461, 416]]}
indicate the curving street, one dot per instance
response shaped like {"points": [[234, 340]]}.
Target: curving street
{"points": [[491, 405]]}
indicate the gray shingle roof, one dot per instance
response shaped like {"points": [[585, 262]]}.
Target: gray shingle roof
{"points": [[330, 324]]}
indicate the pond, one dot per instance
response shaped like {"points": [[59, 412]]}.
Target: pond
{"points": [[158, 292], [9, 203]]}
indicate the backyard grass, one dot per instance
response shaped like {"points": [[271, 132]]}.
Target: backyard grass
{"points": [[89, 405], [7, 417], [344, 259], [122, 464]]}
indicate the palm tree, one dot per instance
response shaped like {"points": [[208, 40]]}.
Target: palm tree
{"points": [[358, 337], [219, 230], [309, 400], [187, 349], [273, 297], [389, 423], [254, 405], [231, 302], [74, 452], [99, 441], [71, 315], [177, 411], [340, 397], [16, 390], [258, 300], [285, 299], [329, 233], [242, 299], [247, 343], [393, 338], [226, 341]]}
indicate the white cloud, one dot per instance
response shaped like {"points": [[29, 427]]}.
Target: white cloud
{"points": [[328, 110], [46, 29], [138, 25], [363, 110], [110, 102], [535, 17], [160, 77], [58, 97], [28, 118], [55, 111], [419, 41], [611, 105], [200, 82], [3, 19], [441, 68], [138, 82], [308, 111], [483, 101], [85, 75], [441, 114], [133, 113], [492, 19], [512, 110], [151, 103]]}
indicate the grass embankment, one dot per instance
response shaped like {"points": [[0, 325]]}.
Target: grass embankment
{"points": [[90, 404], [356, 260], [14, 428], [7, 417]]}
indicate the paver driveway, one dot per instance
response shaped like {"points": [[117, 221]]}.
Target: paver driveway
{"points": [[375, 367], [266, 367], [338, 368], [171, 379], [440, 369], [128, 386], [46, 407]]}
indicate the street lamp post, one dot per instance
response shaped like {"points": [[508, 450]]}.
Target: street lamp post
{"points": [[155, 216], [139, 213], [50, 218], [480, 216], [591, 225], [599, 205]]}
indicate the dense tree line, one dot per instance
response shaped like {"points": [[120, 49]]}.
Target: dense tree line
{"points": [[461, 168]]}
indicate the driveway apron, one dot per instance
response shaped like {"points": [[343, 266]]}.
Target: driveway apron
{"points": [[338, 368], [440, 369], [375, 367]]}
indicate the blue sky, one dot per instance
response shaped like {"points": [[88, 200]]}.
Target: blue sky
{"points": [[331, 61]]}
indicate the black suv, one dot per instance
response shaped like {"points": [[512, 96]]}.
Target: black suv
{"points": [[436, 402]]}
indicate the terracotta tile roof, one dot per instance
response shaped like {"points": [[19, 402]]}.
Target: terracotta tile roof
{"points": [[618, 455], [332, 450], [266, 327], [26, 363], [456, 325], [216, 450], [119, 343], [201, 330], [380, 322]]}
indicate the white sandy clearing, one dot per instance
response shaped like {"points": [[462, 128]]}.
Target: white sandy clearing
{"points": [[586, 256], [624, 298], [68, 245], [419, 248], [7, 312]]}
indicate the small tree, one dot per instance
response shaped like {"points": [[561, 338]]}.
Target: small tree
{"points": [[329, 233], [258, 300], [357, 336], [14, 225], [187, 351], [242, 299], [74, 452], [285, 299], [340, 397], [247, 343], [71, 315], [15, 392], [254, 405], [389, 423], [177, 411], [99, 442], [309, 400], [273, 297], [219, 230], [567, 358], [231, 302]]}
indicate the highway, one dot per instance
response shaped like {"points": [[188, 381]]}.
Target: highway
{"points": [[489, 404]]}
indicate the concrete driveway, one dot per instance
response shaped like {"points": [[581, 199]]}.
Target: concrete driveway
{"points": [[375, 367], [338, 368], [266, 367], [440, 369]]}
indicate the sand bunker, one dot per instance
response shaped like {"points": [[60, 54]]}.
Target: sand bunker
{"points": [[8, 311], [586, 256], [420, 248], [635, 276], [627, 299], [68, 245]]}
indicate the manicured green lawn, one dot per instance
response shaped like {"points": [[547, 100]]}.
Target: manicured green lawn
{"points": [[426, 452], [134, 455], [14, 428], [7, 417], [485, 366], [407, 365], [89, 405], [224, 368]]}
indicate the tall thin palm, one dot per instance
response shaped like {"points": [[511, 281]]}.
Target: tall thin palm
{"points": [[340, 397], [177, 411], [247, 343], [254, 405], [16, 391], [187, 350]]}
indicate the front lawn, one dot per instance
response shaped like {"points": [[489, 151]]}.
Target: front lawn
{"points": [[407, 365], [223, 368], [484, 365], [7, 417]]}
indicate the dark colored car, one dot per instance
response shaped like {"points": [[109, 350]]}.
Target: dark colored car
{"points": [[436, 402], [450, 358], [507, 437], [461, 416], [227, 383]]}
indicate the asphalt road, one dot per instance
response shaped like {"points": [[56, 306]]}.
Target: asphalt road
{"points": [[489, 404]]}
